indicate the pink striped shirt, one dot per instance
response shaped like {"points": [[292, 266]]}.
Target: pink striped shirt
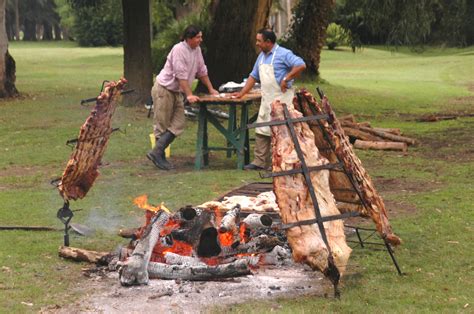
{"points": [[182, 63]]}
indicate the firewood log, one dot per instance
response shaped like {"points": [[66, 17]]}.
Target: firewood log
{"points": [[349, 118], [399, 146], [255, 221], [364, 124], [295, 203], [134, 271], [82, 255], [230, 220], [344, 151], [394, 131], [359, 134], [198, 273], [176, 259], [389, 136]]}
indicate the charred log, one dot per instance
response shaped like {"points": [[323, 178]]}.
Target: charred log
{"points": [[135, 271], [197, 227], [198, 273], [255, 221], [176, 259], [230, 220]]}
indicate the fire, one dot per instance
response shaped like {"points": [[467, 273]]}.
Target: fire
{"points": [[180, 248], [226, 238], [142, 202], [242, 229], [218, 215], [169, 226]]}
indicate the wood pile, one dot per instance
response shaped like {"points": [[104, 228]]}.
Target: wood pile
{"points": [[364, 136]]}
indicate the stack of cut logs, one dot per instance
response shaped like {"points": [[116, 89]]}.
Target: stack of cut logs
{"points": [[363, 136]]}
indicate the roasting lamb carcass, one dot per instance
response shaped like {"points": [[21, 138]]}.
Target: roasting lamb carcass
{"points": [[82, 167], [339, 182], [294, 201]]}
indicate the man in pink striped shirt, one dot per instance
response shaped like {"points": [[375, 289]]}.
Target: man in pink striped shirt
{"points": [[183, 65]]}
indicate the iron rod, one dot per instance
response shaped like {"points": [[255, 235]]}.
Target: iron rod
{"points": [[296, 171], [281, 122]]}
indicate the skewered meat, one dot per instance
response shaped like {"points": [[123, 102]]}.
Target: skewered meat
{"points": [[339, 183], [81, 169], [295, 203]]}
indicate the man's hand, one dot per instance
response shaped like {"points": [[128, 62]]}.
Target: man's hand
{"points": [[192, 99], [283, 85], [212, 91], [236, 95]]}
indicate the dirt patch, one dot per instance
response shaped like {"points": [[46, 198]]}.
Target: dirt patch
{"points": [[105, 295], [454, 144]]}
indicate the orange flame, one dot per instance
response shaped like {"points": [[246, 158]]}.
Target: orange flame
{"points": [[226, 238], [142, 202], [178, 247], [242, 229], [218, 215]]}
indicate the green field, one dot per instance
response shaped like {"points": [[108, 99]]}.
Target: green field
{"points": [[429, 192]]}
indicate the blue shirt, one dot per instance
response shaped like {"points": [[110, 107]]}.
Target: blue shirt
{"points": [[284, 61]]}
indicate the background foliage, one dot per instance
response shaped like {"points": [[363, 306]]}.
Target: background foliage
{"points": [[99, 25], [404, 22]]}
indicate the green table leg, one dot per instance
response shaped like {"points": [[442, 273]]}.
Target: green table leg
{"points": [[252, 119], [242, 150], [231, 127], [202, 126], [205, 146]]}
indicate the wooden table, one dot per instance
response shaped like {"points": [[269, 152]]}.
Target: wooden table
{"points": [[236, 136]]}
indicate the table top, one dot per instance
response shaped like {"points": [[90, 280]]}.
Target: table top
{"points": [[227, 99]]}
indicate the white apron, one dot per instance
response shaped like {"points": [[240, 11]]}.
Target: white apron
{"points": [[270, 91]]}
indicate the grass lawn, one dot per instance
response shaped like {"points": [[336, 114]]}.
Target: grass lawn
{"points": [[429, 192]]}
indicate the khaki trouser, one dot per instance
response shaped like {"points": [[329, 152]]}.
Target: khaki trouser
{"points": [[168, 111], [262, 156]]}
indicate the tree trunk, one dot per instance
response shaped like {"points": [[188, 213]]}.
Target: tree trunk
{"points": [[7, 64], [47, 31], [57, 31], [17, 21], [137, 50], [30, 30], [231, 54], [308, 31]]}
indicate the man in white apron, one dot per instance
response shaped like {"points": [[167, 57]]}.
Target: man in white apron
{"points": [[275, 68]]}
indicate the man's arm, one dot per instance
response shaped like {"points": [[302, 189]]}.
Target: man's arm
{"points": [[248, 86], [184, 85], [295, 72], [205, 80]]}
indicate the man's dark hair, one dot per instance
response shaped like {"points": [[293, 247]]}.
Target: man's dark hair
{"points": [[268, 34], [190, 32]]}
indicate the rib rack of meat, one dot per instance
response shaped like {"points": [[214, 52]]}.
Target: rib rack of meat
{"points": [[303, 196], [81, 169], [328, 132]]}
